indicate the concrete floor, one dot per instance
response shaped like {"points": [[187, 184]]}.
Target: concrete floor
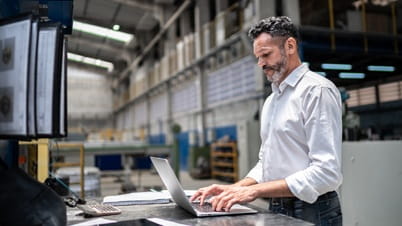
{"points": [[112, 181]]}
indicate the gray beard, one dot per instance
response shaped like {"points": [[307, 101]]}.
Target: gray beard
{"points": [[275, 77], [278, 75]]}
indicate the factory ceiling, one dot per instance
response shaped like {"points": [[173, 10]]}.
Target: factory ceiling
{"points": [[139, 18]]}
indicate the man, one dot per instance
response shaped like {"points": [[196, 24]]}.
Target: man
{"points": [[299, 165]]}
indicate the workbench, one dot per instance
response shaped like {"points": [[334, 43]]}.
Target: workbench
{"points": [[171, 212], [81, 153]]}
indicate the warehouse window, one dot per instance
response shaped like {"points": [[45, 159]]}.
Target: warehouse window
{"points": [[367, 95], [231, 81], [363, 96], [184, 97], [353, 100], [158, 107], [140, 114], [390, 91]]}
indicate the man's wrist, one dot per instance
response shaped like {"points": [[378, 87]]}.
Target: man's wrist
{"points": [[245, 182]]}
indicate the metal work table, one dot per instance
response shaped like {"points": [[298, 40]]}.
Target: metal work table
{"points": [[127, 150], [112, 147], [171, 212]]}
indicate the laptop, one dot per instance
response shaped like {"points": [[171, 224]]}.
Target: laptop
{"points": [[175, 189]]}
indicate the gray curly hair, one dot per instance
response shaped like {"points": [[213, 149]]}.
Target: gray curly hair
{"points": [[280, 26]]}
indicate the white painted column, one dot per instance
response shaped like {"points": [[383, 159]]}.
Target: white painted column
{"points": [[291, 8], [265, 8]]}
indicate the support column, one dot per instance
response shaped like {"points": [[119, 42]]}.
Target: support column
{"points": [[185, 23], [201, 17], [169, 118], [265, 8], [221, 5], [148, 115], [170, 42], [291, 8], [200, 82]]}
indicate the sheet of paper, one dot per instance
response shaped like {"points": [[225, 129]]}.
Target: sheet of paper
{"points": [[165, 222], [137, 198], [14, 69], [188, 193], [96, 221]]}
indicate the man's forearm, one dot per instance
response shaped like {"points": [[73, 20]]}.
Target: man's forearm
{"points": [[278, 188], [246, 182]]}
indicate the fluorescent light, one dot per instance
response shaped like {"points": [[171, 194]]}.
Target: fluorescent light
{"points": [[91, 61], [116, 27], [74, 57], [336, 66], [103, 32], [381, 68], [351, 75], [322, 73]]}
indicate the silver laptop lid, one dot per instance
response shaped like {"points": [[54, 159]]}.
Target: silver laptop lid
{"points": [[176, 191], [172, 184]]}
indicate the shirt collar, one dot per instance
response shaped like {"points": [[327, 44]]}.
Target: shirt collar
{"points": [[291, 79]]}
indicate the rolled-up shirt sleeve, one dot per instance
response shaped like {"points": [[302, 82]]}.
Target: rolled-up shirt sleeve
{"points": [[256, 172], [323, 129]]}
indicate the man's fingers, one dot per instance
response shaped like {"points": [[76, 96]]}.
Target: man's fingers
{"points": [[222, 200], [229, 205], [207, 192], [196, 195]]}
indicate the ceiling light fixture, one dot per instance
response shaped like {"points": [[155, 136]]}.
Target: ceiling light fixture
{"points": [[328, 66], [352, 75], [381, 68], [103, 32], [116, 27], [91, 61]]}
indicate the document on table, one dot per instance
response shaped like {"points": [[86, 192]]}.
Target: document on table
{"points": [[164, 222], [96, 221], [137, 198], [188, 193]]}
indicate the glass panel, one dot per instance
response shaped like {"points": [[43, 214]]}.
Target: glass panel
{"points": [[367, 96], [389, 92], [353, 100]]}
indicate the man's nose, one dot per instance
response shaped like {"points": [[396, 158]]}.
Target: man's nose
{"points": [[261, 63]]}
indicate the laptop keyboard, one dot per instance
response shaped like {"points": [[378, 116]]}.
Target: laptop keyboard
{"points": [[207, 207]]}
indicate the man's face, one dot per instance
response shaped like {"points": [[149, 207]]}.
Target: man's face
{"points": [[271, 57]]}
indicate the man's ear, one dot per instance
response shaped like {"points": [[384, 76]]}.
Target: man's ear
{"points": [[291, 46]]}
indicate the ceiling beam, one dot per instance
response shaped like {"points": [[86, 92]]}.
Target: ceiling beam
{"points": [[105, 24], [114, 51], [136, 4], [157, 37]]}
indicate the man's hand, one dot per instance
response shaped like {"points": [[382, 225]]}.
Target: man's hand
{"points": [[232, 195], [206, 192]]}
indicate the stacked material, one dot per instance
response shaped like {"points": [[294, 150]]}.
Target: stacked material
{"points": [[91, 182]]}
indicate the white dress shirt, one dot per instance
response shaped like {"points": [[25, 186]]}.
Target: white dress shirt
{"points": [[301, 134]]}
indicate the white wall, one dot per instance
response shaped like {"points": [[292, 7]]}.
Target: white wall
{"points": [[89, 94], [232, 113], [371, 193]]}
